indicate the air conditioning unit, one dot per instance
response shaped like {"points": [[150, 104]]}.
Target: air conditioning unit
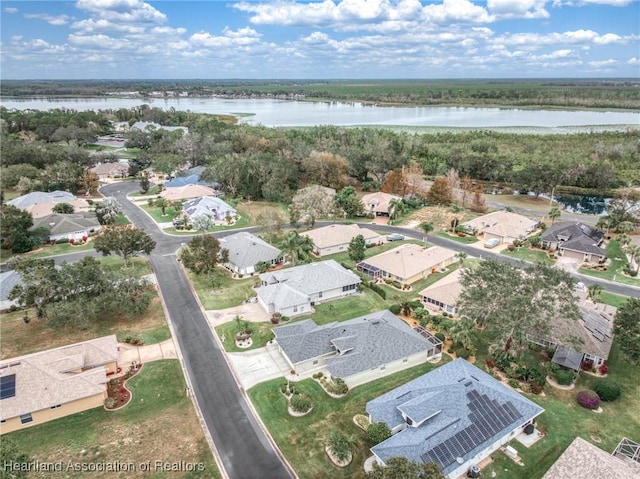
{"points": [[511, 452]]}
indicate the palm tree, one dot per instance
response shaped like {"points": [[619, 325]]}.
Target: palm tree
{"points": [[625, 227], [554, 214], [593, 291], [604, 222], [623, 240], [397, 207], [340, 446], [461, 255], [634, 252], [298, 248], [462, 331]]}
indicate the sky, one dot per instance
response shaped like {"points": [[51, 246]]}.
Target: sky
{"points": [[319, 39]]}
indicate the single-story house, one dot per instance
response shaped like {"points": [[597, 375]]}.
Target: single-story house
{"points": [[8, 280], [583, 459], [575, 240], [454, 416], [378, 203], [245, 251], [191, 176], [443, 294], [118, 169], [502, 225], [37, 197], [407, 263], [44, 209], [358, 350], [593, 337], [335, 238], [71, 226], [43, 386], [294, 291], [150, 126], [186, 192], [210, 206]]}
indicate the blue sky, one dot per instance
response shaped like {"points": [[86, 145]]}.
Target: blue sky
{"points": [[114, 39]]}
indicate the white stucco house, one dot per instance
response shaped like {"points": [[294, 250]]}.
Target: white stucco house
{"points": [[335, 238], [245, 251], [294, 291]]}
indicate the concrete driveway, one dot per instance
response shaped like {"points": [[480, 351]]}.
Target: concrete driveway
{"points": [[570, 265], [251, 312], [258, 365]]}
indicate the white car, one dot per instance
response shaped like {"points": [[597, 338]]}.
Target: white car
{"points": [[395, 237]]}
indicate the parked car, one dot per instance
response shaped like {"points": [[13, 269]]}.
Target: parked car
{"points": [[178, 222], [491, 243], [395, 237]]}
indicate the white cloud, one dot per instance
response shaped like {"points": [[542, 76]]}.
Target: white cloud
{"points": [[122, 10], [581, 3], [101, 25], [518, 8], [242, 37], [11, 10], [50, 19], [602, 63], [634, 61]]}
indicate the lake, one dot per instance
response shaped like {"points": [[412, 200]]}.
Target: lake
{"points": [[285, 113]]}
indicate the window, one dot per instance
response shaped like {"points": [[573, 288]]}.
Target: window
{"points": [[320, 294], [8, 386], [315, 362], [26, 418], [349, 287], [405, 360], [56, 406], [295, 309]]}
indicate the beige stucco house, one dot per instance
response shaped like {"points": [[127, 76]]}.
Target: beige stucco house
{"points": [[378, 203], [39, 387], [443, 294], [187, 192], [407, 263], [335, 238], [106, 171], [502, 225]]}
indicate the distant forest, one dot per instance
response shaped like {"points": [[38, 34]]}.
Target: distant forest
{"points": [[542, 93]]}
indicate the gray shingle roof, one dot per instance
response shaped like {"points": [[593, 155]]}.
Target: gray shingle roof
{"points": [[67, 223], [581, 237], [217, 209], [444, 397], [313, 278], [246, 250], [36, 197], [359, 344], [8, 280]]}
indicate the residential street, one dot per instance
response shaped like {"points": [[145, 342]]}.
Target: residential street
{"points": [[243, 447]]}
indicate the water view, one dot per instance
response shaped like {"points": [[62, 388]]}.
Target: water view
{"points": [[274, 113]]}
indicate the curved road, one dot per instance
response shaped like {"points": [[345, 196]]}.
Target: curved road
{"points": [[243, 447]]}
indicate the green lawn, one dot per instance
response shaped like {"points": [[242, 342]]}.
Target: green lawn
{"points": [[146, 429], [151, 192], [47, 250], [230, 292], [614, 271], [138, 266], [301, 439], [347, 308], [611, 299], [530, 255], [343, 258], [261, 335], [465, 240], [156, 212]]}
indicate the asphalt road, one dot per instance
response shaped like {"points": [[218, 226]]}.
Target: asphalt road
{"points": [[243, 447]]}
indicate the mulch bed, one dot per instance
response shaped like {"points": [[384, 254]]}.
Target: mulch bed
{"points": [[117, 390]]}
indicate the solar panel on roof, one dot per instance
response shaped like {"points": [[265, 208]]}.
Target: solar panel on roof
{"points": [[8, 386]]}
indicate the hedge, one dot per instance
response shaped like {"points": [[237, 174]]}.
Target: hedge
{"points": [[607, 390], [588, 399]]}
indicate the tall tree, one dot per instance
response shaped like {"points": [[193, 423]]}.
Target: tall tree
{"points": [[145, 182], [479, 205], [357, 248], [89, 182], [326, 169], [348, 201], [271, 222], [397, 208], [554, 214], [63, 208], [108, 210], [593, 291], [202, 254], [15, 229], [516, 303], [311, 203], [124, 240], [627, 329], [440, 192]]}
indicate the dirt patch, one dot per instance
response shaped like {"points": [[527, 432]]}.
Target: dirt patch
{"points": [[439, 216], [19, 338], [255, 208]]}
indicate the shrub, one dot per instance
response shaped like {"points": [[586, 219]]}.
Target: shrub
{"points": [[415, 304], [489, 363], [536, 388], [604, 369], [300, 403], [336, 386], [378, 432], [395, 308], [340, 446], [564, 377], [607, 390], [463, 353], [318, 375], [362, 420], [110, 403], [514, 383], [440, 336], [588, 399], [285, 318], [378, 290]]}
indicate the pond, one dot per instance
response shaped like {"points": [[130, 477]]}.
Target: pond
{"points": [[274, 113], [584, 204]]}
